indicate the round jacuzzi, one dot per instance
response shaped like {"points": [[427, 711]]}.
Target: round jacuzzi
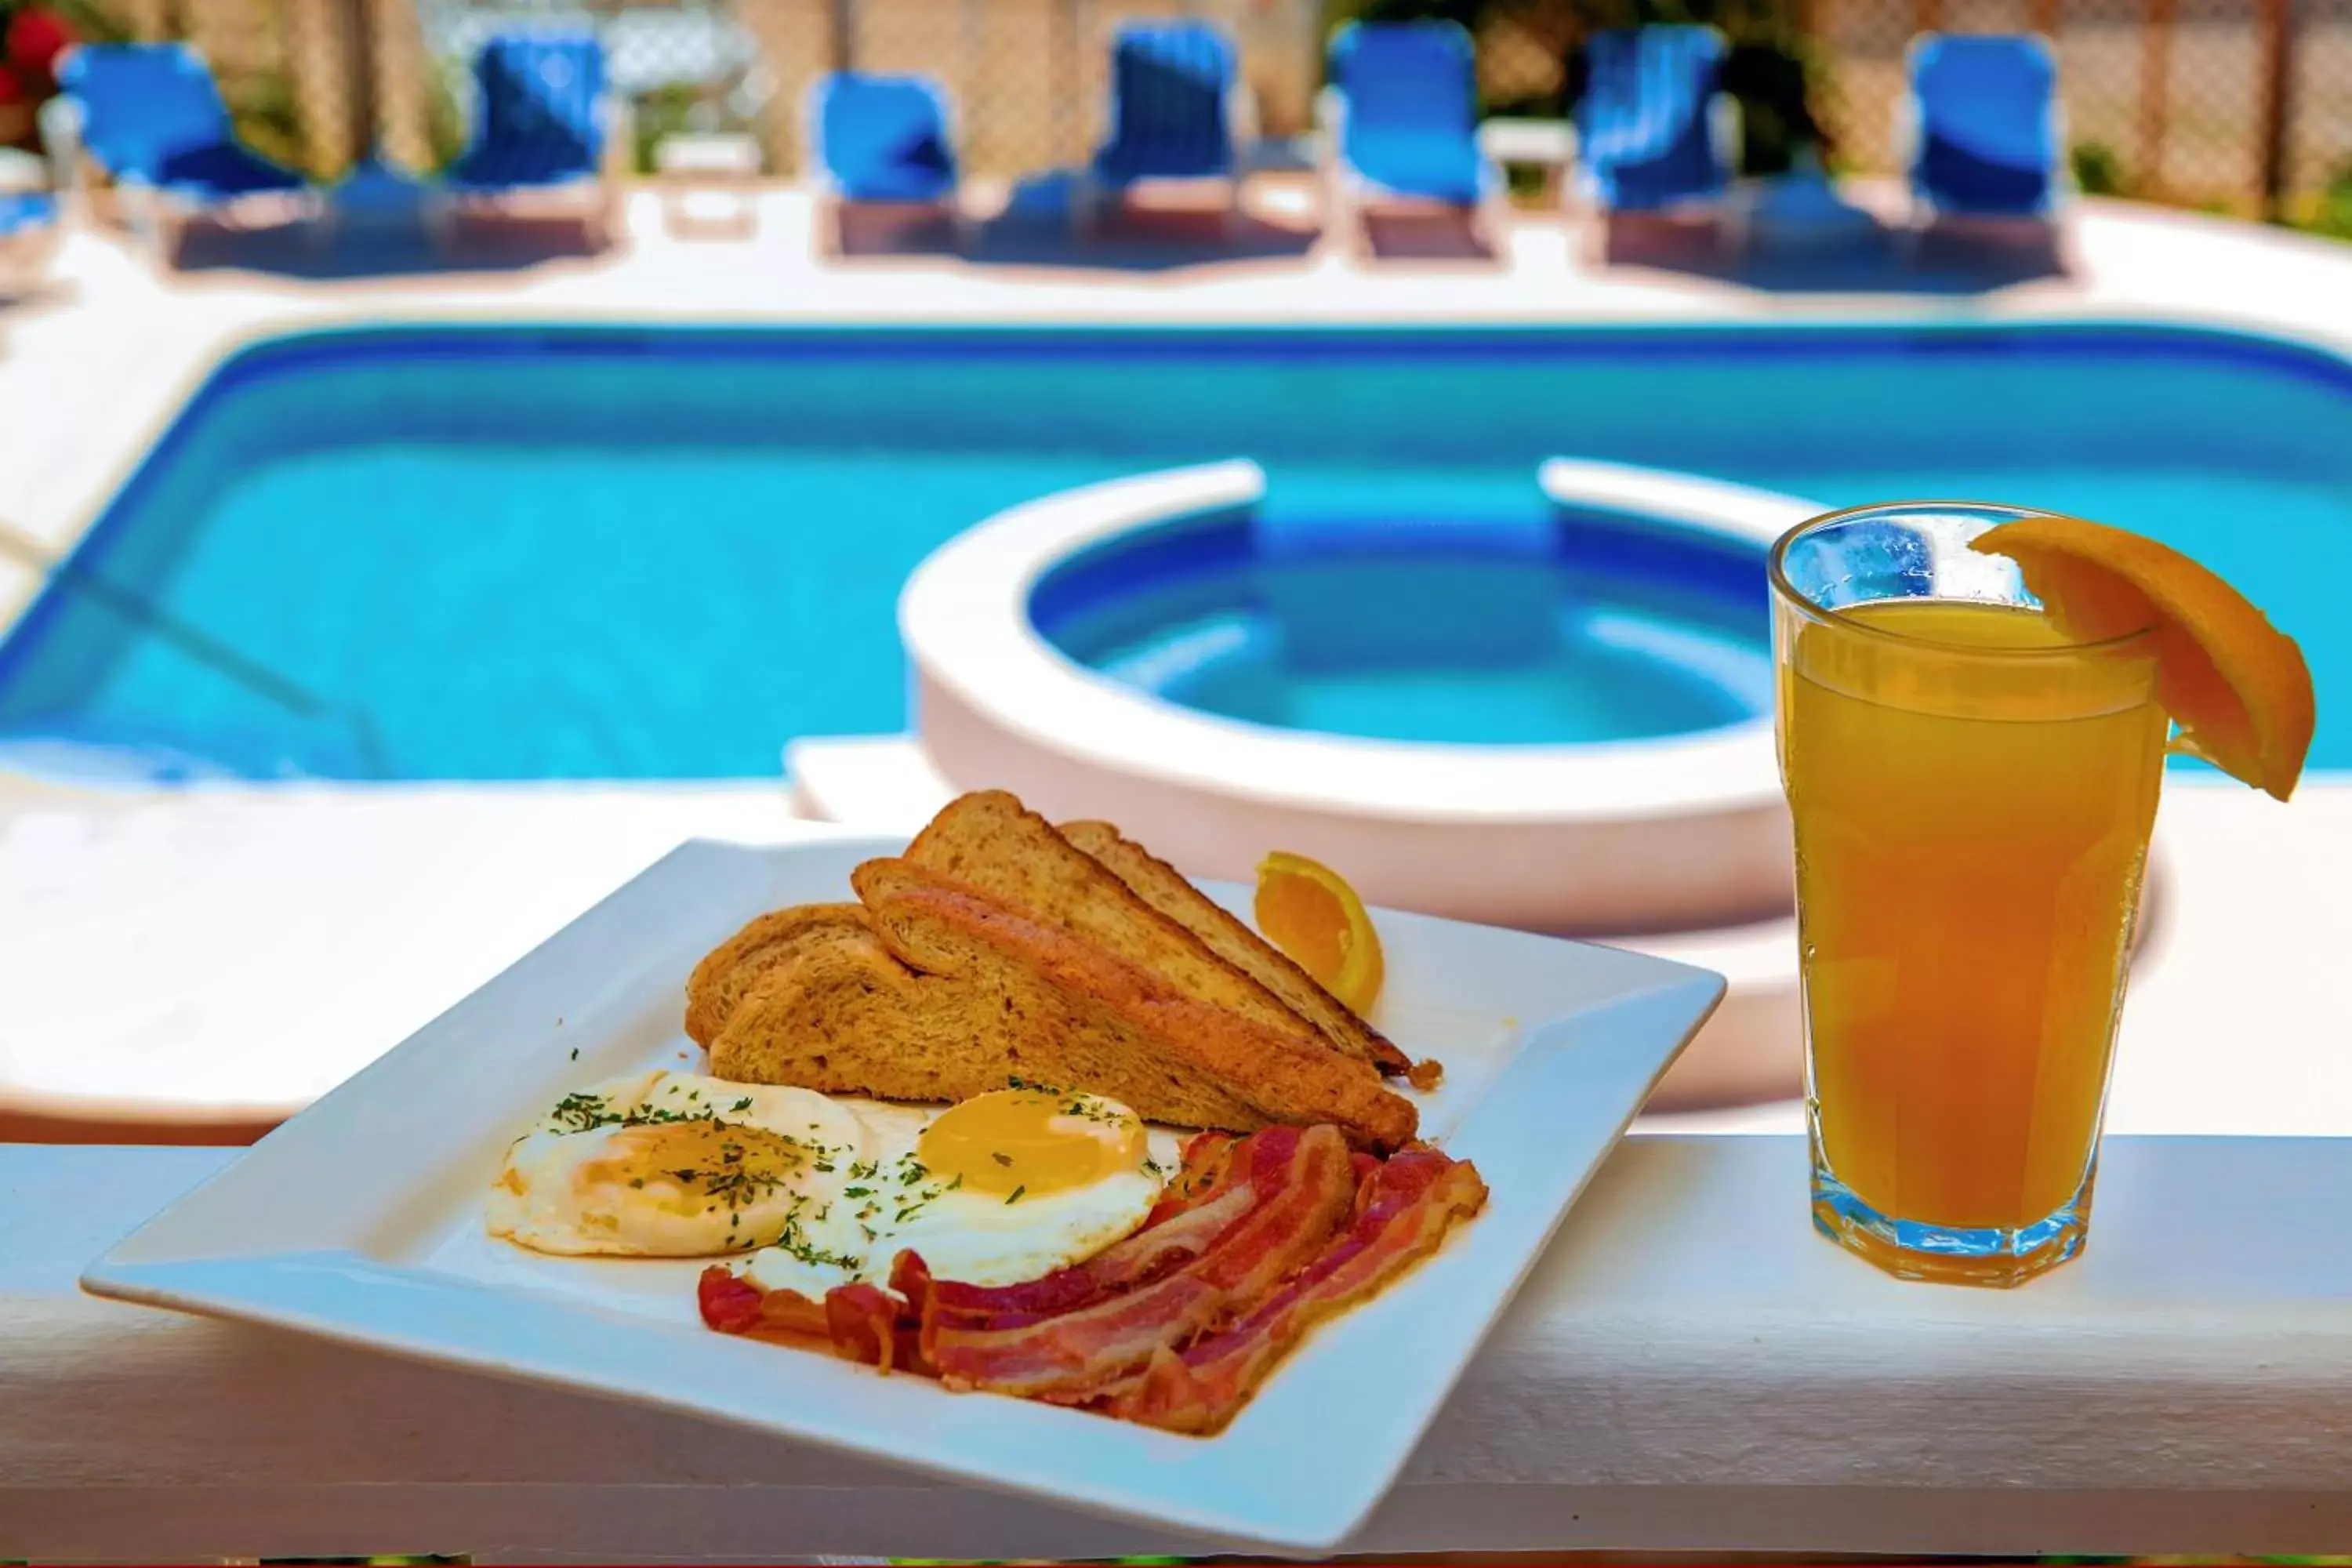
{"points": [[1556, 718], [1451, 631]]}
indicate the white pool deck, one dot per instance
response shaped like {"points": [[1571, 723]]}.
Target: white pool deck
{"points": [[1688, 1370]]}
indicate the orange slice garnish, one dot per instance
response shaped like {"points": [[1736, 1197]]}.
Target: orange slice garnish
{"points": [[2236, 686], [1309, 911]]}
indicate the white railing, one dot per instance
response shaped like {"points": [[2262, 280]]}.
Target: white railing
{"points": [[1690, 1369]]}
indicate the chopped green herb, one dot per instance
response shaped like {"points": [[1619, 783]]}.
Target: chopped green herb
{"points": [[1016, 1195], [1005, 1160]]}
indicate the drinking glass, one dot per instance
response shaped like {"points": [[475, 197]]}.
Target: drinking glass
{"points": [[1972, 796]]}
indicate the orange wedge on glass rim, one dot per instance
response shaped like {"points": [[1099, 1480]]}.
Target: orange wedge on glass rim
{"points": [[1309, 911], [2237, 688]]}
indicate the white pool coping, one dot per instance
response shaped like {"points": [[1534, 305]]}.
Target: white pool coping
{"points": [[964, 620], [1674, 831], [2238, 999]]}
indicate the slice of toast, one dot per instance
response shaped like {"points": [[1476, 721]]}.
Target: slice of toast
{"points": [[1165, 888], [989, 841], [934, 991]]}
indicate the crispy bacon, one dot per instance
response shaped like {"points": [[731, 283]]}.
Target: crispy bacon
{"points": [[1206, 1170], [863, 1322], [1415, 1199], [1176, 1326], [736, 1306], [1123, 1266], [1302, 1186]]}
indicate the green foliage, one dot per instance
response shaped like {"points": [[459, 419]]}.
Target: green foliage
{"points": [[91, 24], [262, 107], [2333, 215], [2098, 171], [667, 111]]}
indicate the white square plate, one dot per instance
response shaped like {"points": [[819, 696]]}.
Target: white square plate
{"points": [[360, 1219]]}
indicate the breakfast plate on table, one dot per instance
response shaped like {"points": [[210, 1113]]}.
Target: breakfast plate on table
{"points": [[1006, 1154]]}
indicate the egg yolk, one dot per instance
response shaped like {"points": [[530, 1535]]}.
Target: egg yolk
{"points": [[1018, 1140], [690, 1166]]}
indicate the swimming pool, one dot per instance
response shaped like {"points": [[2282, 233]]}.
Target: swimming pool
{"points": [[604, 553]]}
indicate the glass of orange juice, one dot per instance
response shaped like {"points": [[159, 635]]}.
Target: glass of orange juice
{"points": [[1972, 795]]}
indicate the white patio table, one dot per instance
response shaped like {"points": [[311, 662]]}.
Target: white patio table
{"points": [[1688, 1369]]}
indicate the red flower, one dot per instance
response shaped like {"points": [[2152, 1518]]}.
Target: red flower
{"points": [[35, 38]]}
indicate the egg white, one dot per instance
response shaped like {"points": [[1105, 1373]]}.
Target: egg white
{"points": [[670, 1164], [977, 1238]]}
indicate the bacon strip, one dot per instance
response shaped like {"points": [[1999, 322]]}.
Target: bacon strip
{"points": [[1176, 1326], [1303, 1185], [1415, 1199], [1207, 1169], [863, 1322], [736, 1306], [1124, 1264]]}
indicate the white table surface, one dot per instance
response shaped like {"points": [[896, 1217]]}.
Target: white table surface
{"points": [[1509, 140], [708, 153], [1690, 1369]]}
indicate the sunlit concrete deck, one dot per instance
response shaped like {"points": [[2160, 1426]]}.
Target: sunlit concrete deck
{"points": [[215, 890]]}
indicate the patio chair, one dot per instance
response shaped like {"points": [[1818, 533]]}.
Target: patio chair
{"points": [[1400, 120], [150, 117], [1177, 113], [1655, 133], [544, 116], [881, 142], [1982, 131]]}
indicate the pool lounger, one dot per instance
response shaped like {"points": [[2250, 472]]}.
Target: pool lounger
{"points": [[546, 115], [1401, 122], [881, 142], [1655, 133], [1178, 111], [1982, 132], [152, 117]]}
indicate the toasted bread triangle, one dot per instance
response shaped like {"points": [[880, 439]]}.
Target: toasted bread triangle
{"points": [[989, 841], [932, 990], [1166, 889]]}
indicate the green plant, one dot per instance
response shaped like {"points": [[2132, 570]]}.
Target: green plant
{"points": [[663, 112], [262, 106], [2098, 172], [2333, 215]]}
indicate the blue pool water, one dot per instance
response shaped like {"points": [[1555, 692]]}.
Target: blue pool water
{"points": [[593, 553], [1442, 625]]}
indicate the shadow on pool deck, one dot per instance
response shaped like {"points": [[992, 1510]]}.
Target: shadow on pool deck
{"points": [[1944, 260], [500, 244]]}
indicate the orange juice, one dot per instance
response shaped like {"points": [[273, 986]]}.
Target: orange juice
{"points": [[1972, 799]]}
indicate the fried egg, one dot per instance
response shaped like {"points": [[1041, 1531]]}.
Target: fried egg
{"points": [[673, 1165], [1001, 1188]]}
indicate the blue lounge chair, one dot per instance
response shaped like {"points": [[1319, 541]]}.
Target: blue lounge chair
{"points": [[151, 116], [1402, 118], [881, 140], [1177, 113], [1982, 128], [1654, 129], [544, 115]]}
